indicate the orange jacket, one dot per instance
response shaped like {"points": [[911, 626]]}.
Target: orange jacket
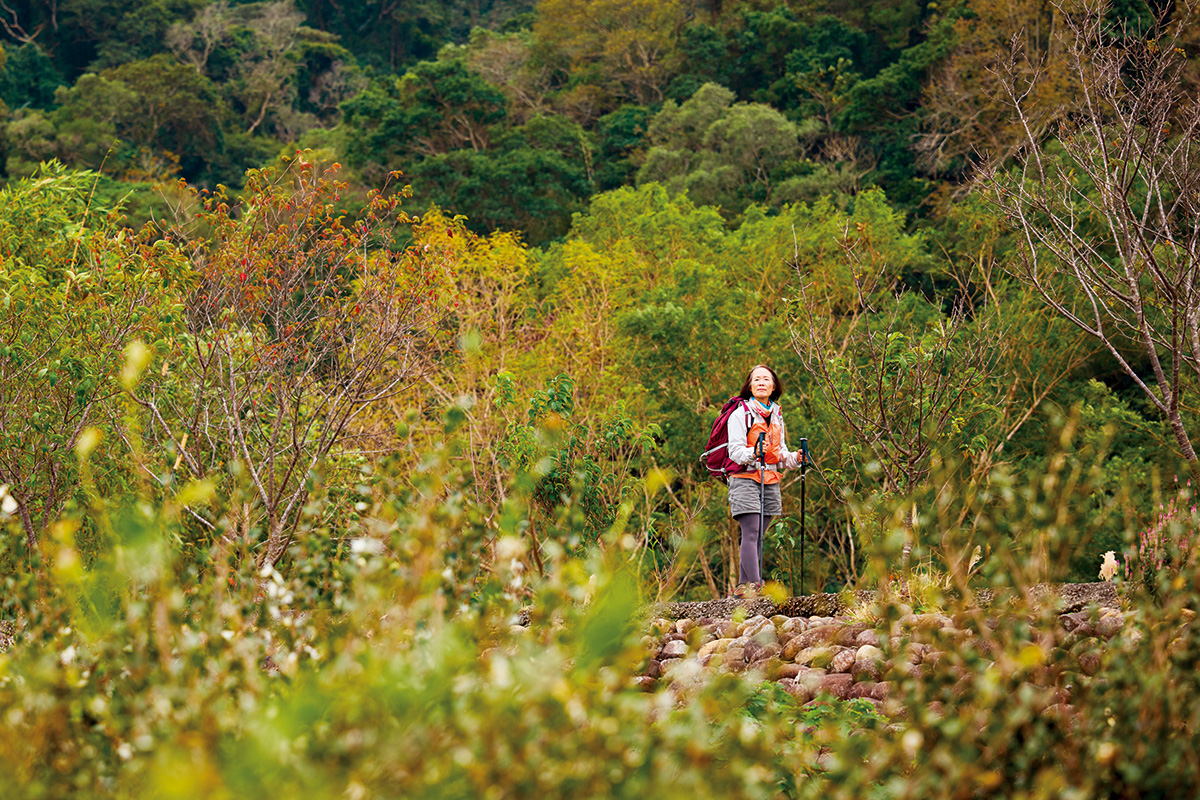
{"points": [[778, 457]]}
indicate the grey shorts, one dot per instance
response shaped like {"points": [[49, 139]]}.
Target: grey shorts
{"points": [[743, 498]]}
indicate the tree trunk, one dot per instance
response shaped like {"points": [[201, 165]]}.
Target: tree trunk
{"points": [[1185, 446], [910, 524], [262, 112], [27, 523]]}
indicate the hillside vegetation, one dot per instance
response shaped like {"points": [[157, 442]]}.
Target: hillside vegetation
{"points": [[355, 363]]}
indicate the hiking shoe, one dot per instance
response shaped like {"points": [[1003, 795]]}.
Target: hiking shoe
{"points": [[746, 591]]}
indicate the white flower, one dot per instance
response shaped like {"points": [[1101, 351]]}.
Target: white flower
{"points": [[911, 742], [365, 545], [509, 547], [7, 504], [1108, 570]]}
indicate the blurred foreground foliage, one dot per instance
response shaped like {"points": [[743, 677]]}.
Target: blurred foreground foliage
{"points": [[394, 664]]}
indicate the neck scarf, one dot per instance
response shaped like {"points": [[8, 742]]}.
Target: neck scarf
{"points": [[761, 408]]}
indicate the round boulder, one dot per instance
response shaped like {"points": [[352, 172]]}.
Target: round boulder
{"points": [[676, 648], [842, 661]]}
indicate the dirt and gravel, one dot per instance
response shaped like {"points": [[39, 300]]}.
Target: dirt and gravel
{"points": [[1066, 597]]}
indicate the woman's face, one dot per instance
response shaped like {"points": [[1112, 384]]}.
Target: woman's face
{"points": [[761, 383]]}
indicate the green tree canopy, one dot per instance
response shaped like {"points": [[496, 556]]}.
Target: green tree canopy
{"points": [[718, 153], [28, 78]]}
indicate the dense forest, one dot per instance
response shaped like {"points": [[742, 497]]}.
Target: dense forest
{"points": [[356, 360], [516, 118]]}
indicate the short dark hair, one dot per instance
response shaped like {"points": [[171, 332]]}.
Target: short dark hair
{"points": [[746, 394]]}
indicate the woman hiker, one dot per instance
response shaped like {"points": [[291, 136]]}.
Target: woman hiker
{"points": [[760, 479]]}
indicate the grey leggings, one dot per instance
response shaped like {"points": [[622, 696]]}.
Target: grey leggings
{"points": [[749, 571]]}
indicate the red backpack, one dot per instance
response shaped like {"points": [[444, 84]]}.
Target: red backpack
{"points": [[716, 453]]}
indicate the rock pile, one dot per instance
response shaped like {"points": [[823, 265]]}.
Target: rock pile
{"points": [[838, 656]]}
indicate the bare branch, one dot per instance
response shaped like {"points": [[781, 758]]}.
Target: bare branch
{"points": [[1112, 221]]}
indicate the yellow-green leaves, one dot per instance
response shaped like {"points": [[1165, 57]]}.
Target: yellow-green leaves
{"points": [[137, 356], [79, 291], [609, 622], [87, 442]]}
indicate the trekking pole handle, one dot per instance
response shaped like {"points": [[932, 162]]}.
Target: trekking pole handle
{"points": [[804, 453], [760, 446]]}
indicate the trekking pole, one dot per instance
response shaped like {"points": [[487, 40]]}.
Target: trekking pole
{"points": [[760, 454], [803, 469]]}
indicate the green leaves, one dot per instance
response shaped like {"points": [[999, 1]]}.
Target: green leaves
{"points": [[77, 295], [558, 398], [609, 623]]}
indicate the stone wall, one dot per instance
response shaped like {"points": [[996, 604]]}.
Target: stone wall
{"points": [[830, 653]]}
